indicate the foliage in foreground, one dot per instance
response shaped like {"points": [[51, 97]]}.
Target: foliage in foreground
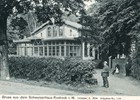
{"points": [[52, 69]]}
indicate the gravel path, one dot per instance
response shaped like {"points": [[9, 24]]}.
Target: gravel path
{"points": [[118, 85], [122, 86]]}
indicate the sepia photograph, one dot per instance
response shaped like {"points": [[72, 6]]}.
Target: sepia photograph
{"points": [[70, 47]]}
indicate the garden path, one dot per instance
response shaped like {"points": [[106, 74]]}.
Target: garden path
{"points": [[119, 86]]}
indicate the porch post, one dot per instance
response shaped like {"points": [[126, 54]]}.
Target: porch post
{"points": [[93, 52], [43, 50], [47, 50], [88, 49], [38, 51], [83, 50], [33, 50], [60, 49], [65, 49], [55, 50], [18, 51]]}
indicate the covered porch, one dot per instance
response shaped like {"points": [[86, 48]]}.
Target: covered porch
{"points": [[57, 48]]}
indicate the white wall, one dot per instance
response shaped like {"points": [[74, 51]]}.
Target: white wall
{"points": [[74, 32], [66, 31], [43, 31]]}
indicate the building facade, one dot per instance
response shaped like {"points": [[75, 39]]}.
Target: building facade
{"points": [[56, 41]]}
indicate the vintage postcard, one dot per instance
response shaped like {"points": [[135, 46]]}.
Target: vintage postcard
{"points": [[69, 50]]}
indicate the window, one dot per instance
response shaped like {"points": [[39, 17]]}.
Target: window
{"points": [[36, 50], [71, 50], [50, 50], [57, 50], [54, 31], [49, 31], [70, 32], [62, 50], [53, 49], [78, 50], [45, 51], [49, 43], [67, 50], [91, 52], [61, 31], [41, 51], [53, 43], [74, 52]]}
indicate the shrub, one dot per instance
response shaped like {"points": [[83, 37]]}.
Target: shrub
{"points": [[51, 69]]}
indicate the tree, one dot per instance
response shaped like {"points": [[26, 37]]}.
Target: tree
{"points": [[91, 31], [20, 25], [32, 21], [118, 22], [8, 7]]}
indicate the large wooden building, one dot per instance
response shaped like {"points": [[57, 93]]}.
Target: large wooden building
{"points": [[56, 41]]}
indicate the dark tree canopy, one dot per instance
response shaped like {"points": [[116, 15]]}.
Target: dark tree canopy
{"points": [[48, 9], [20, 25], [44, 9], [118, 24]]}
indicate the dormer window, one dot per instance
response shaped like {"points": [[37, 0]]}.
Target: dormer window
{"points": [[49, 31], [54, 31], [61, 31]]}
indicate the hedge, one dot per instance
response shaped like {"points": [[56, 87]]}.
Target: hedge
{"points": [[52, 69]]}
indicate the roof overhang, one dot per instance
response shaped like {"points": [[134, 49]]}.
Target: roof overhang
{"points": [[29, 39], [58, 38], [21, 41]]}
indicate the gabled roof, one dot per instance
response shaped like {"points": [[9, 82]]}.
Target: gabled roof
{"points": [[73, 24], [70, 23], [40, 27], [66, 22]]}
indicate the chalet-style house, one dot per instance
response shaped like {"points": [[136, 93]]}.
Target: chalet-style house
{"points": [[56, 41]]}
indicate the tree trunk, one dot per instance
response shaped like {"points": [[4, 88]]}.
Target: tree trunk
{"points": [[4, 68]]}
